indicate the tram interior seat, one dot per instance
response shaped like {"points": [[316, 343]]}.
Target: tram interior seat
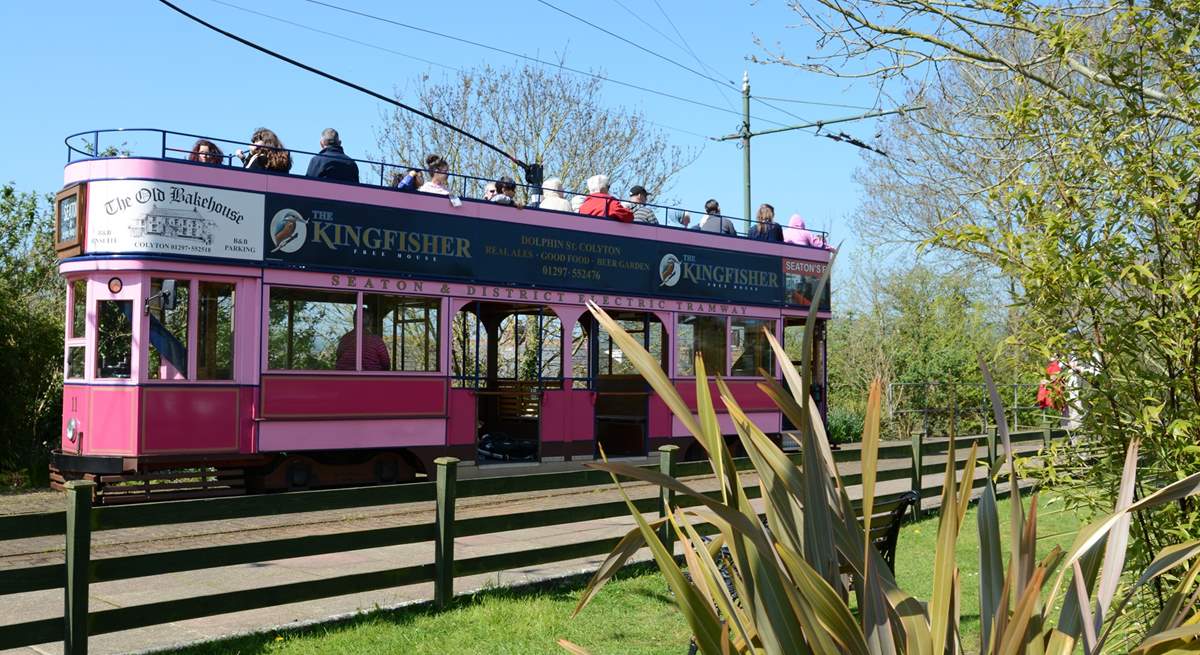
{"points": [[509, 419], [622, 408]]}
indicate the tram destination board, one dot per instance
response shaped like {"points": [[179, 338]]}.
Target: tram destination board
{"points": [[331, 234]]}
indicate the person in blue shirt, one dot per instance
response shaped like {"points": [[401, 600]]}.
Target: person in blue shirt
{"points": [[332, 163]]}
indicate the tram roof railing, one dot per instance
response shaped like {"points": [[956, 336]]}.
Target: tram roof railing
{"points": [[170, 146]]}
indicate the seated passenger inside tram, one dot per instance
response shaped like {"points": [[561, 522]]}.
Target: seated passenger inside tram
{"points": [[375, 351]]}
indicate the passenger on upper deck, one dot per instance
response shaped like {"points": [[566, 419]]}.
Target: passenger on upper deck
{"points": [[410, 181], [489, 191], [439, 176], [799, 235], [332, 162], [713, 221], [553, 197], [206, 152], [765, 228], [267, 154], [506, 191], [600, 203], [637, 205]]}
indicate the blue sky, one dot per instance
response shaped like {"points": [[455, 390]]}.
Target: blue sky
{"points": [[73, 66]]}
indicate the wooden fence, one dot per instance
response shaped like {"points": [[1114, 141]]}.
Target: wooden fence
{"points": [[81, 519]]}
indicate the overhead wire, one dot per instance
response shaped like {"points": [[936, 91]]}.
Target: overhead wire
{"points": [[635, 44], [667, 59], [817, 103], [335, 35], [682, 45], [357, 87], [543, 62], [398, 53]]}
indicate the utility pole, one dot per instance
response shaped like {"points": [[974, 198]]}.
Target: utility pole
{"points": [[745, 136]]}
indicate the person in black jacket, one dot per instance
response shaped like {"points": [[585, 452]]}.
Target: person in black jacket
{"points": [[765, 228], [332, 163]]}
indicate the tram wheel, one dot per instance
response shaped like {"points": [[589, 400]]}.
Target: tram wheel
{"points": [[299, 473], [387, 468]]}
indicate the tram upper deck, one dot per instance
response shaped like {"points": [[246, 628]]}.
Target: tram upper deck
{"points": [[148, 201]]}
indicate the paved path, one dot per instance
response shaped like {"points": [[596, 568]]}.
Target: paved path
{"points": [[124, 593]]}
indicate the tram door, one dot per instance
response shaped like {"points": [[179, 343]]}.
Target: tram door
{"points": [[622, 395], [509, 354]]}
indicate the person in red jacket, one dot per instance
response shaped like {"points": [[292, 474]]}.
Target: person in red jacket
{"points": [[600, 203]]}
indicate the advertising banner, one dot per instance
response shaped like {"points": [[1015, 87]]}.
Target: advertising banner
{"points": [[800, 280], [165, 218], [315, 232]]}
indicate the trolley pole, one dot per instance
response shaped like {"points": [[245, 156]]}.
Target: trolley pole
{"points": [[745, 134]]}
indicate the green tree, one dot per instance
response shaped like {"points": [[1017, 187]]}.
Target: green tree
{"points": [[1096, 107], [919, 329], [31, 333]]}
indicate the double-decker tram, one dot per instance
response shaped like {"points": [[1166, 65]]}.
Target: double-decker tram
{"points": [[232, 330]]}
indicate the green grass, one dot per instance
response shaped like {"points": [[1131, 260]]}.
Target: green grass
{"points": [[918, 541], [633, 615]]}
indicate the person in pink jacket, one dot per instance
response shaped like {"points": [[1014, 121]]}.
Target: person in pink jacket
{"points": [[798, 235]]}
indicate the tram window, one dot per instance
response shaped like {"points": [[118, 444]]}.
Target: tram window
{"points": [[114, 338], [168, 334], [409, 328], [551, 359], [78, 309], [793, 338], [648, 332], [307, 327], [75, 362], [703, 335], [749, 347], [468, 346], [579, 357], [528, 347], [214, 333]]}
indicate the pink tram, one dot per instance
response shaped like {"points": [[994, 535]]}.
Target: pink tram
{"points": [[231, 330]]}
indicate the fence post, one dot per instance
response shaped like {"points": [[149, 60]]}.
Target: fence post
{"points": [[1046, 438], [78, 558], [918, 438], [667, 456], [443, 555]]}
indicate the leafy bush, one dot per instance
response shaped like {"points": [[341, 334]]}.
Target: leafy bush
{"points": [[787, 572], [844, 426]]}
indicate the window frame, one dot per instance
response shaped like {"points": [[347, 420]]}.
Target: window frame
{"points": [[243, 293], [265, 355], [729, 360], [777, 326], [676, 346], [81, 341]]}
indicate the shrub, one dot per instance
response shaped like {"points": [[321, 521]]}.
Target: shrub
{"points": [[844, 426]]}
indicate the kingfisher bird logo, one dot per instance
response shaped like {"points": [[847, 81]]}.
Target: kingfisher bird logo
{"points": [[669, 270], [288, 229]]}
